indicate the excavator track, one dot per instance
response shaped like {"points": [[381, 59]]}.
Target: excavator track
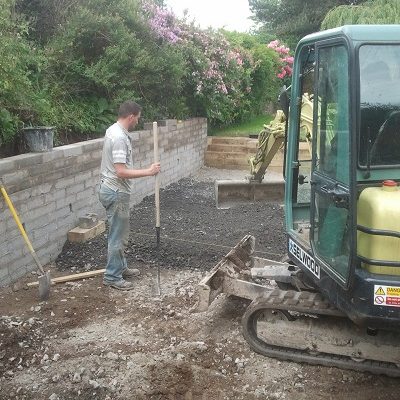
{"points": [[291, 305]]}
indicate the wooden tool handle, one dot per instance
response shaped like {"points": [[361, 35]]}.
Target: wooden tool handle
{"points": [[157, 184]]}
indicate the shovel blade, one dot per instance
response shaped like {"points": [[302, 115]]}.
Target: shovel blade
{"points": [[44, 286]]}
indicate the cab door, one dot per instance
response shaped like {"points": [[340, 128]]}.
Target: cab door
{"points": [[330, 228]]}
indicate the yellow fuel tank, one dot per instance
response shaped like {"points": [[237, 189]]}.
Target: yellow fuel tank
{"points": [[378, 208]]}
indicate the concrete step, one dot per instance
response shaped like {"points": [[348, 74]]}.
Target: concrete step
{"points": [[231, 155], [226, 160], [238, 141], [232, 148]]}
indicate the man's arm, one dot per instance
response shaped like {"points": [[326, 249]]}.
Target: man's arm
{"points": [[125, 173]]}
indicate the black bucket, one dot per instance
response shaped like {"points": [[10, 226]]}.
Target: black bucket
{"points": [[38, 138]]}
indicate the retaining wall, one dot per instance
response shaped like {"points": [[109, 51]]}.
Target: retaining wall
{"points": [[52, 190]]}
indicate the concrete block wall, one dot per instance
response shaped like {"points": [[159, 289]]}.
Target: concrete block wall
{"points": [[50, 191]]}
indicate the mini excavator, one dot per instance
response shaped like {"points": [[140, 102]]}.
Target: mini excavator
{"points": [[335, 299]]}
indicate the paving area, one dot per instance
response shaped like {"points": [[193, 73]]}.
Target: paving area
{"points": [[92, 342]]}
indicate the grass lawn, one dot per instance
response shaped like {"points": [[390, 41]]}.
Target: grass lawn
{"points": [[254, 126]]}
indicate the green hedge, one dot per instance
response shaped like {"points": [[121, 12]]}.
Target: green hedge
{"points": [[75, 61]]}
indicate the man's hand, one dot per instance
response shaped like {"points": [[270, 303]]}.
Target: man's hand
{"points": [[154, 169]]}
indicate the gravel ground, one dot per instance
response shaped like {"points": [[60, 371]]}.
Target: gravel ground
{"points": [[194, 233], [92, 342]]}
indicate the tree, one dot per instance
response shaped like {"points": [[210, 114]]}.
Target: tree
{"points": [[290, 20], [45, 16], [371, 12]]}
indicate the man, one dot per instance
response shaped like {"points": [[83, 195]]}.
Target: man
{"points": [[115, 188]]}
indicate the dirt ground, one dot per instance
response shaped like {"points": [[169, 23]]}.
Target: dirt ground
{"points": [[92, 342]]}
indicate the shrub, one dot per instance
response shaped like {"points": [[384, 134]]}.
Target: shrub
{"points": [[18, 67], [76, 61], [106, 52]]}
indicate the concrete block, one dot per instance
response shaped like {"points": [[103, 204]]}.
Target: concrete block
{"points": [[14, 177], [82, 206], [40, 169], [71, 150], [93, 182], [144, 135], [50, 156], [96, 156], [85, 194], [6, 166], [74, 188], [92, 145], [65, 182], [62, 213], [41, 211], [28, 160], [19, 273], [4, 271], [41, 241], [162, 131], [55, 175], [54, 195], [81, 235], [83, 176], [45, 231], [26, 262], [16, 253], [93, 165]]}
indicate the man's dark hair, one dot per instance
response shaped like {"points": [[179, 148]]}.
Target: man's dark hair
{"points": [[127, 108]]}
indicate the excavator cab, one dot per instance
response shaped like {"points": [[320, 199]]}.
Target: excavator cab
{"points": [[335, 300], [348, 246]]}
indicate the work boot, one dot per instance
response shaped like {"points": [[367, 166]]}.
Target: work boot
{"points": [[130, 273], [120, 285]]}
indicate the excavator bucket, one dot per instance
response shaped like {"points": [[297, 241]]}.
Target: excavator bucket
{"points": [[229, 193], [234, 273]]}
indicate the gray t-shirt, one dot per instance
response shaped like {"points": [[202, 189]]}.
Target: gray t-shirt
{"points": [[117, 149]]}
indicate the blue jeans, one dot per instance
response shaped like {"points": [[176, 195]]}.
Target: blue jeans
{"points": [[117, 208]]}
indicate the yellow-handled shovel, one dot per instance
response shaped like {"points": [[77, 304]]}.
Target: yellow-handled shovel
{"points": [[44, 278]]}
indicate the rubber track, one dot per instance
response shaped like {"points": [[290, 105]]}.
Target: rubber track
{"points": [[311, 304]]}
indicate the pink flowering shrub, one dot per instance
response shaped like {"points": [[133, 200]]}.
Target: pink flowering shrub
{"points": [[163, 22], [219, 80], [285, 59]]}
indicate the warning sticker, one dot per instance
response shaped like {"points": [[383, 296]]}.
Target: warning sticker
{"points": [[393, 291], [380, 291], [387, 296]]}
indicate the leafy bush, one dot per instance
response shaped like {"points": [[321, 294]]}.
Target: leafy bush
{"points": [[17, 70], [70, 63], [106, 51]]}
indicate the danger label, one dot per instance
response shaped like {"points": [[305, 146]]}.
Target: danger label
{"points": [[387, 296], [380, 291], [393, 291]]}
